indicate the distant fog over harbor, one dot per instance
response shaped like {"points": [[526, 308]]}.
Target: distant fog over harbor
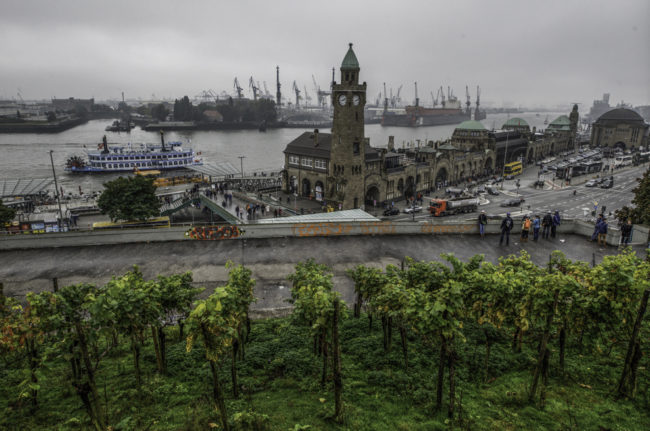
{"points": [[532, 54]]}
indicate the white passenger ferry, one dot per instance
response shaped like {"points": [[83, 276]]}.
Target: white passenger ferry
{"points": [[130, 157]]}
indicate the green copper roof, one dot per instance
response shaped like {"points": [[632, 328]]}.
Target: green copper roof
{"points": [[350, 60], [562, 120], [515, 122], [471, 125]]}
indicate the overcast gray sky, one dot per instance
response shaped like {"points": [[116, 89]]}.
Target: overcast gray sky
{"points": [[520, 52]]}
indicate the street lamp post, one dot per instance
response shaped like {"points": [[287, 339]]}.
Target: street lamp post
{"points": [[505, 153], [241, 160], [56, 187]]}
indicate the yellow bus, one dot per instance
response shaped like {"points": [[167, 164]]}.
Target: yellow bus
{"points": [[157, 222], [513, 168]]}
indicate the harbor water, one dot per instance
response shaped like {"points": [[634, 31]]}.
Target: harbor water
{"points": [[27, 155]]}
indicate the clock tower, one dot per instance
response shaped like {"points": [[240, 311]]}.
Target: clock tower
{"points": [[347, 157]]}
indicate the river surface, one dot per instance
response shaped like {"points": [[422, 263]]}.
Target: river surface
{"points": [[27, 155]]}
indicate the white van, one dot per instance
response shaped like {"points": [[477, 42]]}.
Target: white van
{"points": [[621, 161]]}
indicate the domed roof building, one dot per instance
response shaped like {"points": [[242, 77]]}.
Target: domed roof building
{"points": [[471, 125], [620, 128], [561, 123], [518, 124]]}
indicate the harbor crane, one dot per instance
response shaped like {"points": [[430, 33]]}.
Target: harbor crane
{"points": [[398, 99], [385, 98], [238, 88], [254, 87], [467, 103], [478, 97], [297, 91], [317, 90], [307, 96], [441, 91]]}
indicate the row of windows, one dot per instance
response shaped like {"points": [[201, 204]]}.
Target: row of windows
{"points": [[467, 133], [138, 164], [308, 162], [160, 156]]}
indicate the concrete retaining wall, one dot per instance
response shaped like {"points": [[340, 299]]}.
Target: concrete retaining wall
{"points": [[299, 230]]}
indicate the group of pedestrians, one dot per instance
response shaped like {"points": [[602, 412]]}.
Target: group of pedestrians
{"points": [[601, 228], [548, 225]]}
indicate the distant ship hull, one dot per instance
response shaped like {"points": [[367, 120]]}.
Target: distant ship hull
{"points": [[416, 116]]}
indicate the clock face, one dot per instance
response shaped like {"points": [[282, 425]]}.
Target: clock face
{"points": [[356, 99], [342, 100]]}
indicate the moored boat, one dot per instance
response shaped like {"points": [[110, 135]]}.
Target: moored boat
{"points": [[126, 158]]}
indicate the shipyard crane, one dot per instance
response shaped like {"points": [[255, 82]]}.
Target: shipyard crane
{"points": [[478, 97], [398, 100], [467, 103], [433, 99], [307, 96], [238, 89], [442, 96], [266, 90], [392, 99], [20, 96], [385, 98], [319, 95], [254, 87], [297, 91]]}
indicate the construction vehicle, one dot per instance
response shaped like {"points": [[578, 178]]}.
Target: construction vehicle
{"points": [[443, 207]]}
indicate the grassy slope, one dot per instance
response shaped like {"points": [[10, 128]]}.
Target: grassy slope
{"points": [[280, 378]]}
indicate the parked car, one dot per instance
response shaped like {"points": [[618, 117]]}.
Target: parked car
{"points": [[413, 209], [391, 211], [607, 184], [592, 183], [538, 183], [492, 191], [514, 202]]}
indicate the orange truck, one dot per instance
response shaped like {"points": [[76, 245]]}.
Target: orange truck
{"points": [[443, 207]]}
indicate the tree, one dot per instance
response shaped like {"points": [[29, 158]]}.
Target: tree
{"points": [[210, 322], [159, 112], [81, 111], [174, 295], [640, 213], [129, 198], [125, 303], [78, 328], [124, 107], [6, 214], [318, 306]]}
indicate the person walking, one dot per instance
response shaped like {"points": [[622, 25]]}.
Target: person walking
{"points": [[594, 235], [555, 224], [602, 233], [547, 221], [482, 222], [525, 228], [626, 233], [536, 224], [506, 227]]}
